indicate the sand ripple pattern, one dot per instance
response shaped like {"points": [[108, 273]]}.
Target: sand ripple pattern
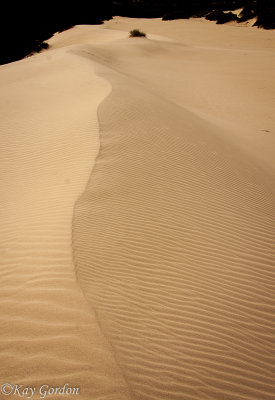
{"points": [[49, 139], [174, 247]]}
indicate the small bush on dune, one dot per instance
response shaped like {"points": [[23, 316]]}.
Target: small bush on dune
{"points": [[137, 33], [44, 45], [38, 46]]}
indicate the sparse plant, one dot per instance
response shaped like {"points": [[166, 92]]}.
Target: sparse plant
{"points": [[44, 45], [137, 33]]}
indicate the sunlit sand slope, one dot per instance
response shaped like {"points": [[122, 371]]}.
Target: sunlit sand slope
{"points": [[174, 235], [139, 263], [49, 140]]}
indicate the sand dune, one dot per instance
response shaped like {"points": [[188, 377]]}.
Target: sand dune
{"points": [[181, 271], [49, 140], [172, 213]]}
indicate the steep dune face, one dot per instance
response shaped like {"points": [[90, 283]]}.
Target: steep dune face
{"points": [[174, 235], [49, 140]]}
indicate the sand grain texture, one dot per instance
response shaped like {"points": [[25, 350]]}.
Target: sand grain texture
{"points": [[181, 202], [49, 140], [137, 212]]}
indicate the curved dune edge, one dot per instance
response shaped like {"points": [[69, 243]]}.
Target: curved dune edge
{"points": [[49, 140], [173, 245]]}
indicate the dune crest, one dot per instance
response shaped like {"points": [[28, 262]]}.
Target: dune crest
{"points": [[139, 263], [49, 140], [181, 272]]}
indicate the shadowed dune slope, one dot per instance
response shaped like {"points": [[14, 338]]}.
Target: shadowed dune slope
{"points": [[174, 237]]}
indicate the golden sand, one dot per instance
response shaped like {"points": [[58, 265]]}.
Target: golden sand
{"points": [[137, 214]]}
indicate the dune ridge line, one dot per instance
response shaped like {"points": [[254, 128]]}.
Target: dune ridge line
{"points": [[181, 269], [49, 140]]}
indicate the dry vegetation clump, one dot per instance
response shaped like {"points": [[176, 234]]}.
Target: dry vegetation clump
{"points": [[137, 33]]}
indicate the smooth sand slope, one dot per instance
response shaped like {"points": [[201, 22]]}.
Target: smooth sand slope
{"points": [[49, 140], [173, 233]]}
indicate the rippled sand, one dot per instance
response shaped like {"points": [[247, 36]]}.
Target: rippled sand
{"points": [[168, 188], [49, 141]]}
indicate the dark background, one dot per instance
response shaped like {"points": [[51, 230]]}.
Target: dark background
{"points": [[24, 27]]}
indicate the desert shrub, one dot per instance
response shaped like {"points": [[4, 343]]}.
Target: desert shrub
{"points": [[38, 46], [137, 33], [44, 45]]}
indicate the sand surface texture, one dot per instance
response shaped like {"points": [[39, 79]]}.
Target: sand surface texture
{"points": [[170, 211], [49, 140]]}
